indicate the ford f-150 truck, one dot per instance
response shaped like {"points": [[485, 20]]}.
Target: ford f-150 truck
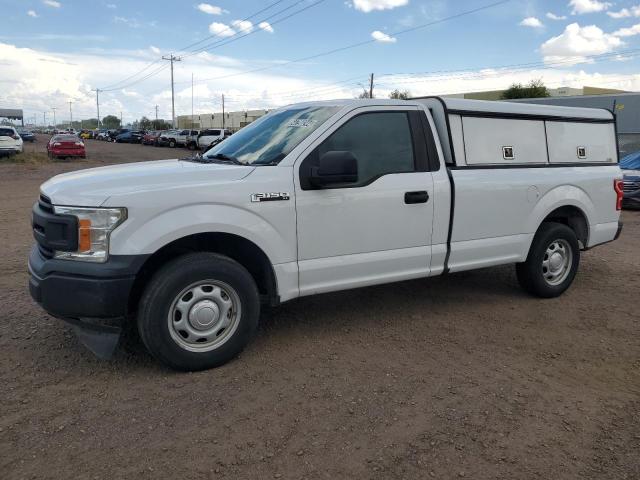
{"points": [[319, 197]]}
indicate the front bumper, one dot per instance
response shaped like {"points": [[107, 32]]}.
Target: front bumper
{"points": [[77, 290]]}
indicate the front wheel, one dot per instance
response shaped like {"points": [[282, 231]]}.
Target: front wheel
{"points": [[552, 262], [199, 311]]}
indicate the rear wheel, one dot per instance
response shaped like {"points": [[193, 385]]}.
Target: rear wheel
{"points": [[199, 311], [172, 144], [552, 262]]}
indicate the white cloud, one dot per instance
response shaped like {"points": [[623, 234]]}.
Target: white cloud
{"points": [[628, 32], [131, 22], [581, 7], [577, 42], [52, 3], [155, 50], [531, 22], [624, 13], [243, 26], [32, 13], [553, 16], [210, 9], [111, 5], [266, 26], [370, 5], [383, 37], [221, 30]]}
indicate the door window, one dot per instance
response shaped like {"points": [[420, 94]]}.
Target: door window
{"points": [[380, 141]]}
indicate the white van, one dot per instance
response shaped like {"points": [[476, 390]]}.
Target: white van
{"points": [[319, 197]]}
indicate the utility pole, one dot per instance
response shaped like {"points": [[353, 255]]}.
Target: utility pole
{"points": [[54, 116], [172, 59], [120, 119], [191, 99], [70, 115], [156, 115], [223, 111], [371, 86], [98, 105], [44, 119]]}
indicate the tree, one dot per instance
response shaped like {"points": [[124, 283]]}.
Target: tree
{"points": [[398, 95], [161, 124], [364, 94], [145, 124], [111, 121], [534, 89]]}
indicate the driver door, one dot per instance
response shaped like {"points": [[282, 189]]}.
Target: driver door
{"points": [[378, 228]]}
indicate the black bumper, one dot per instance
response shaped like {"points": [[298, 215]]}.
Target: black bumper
{"points": [[73, 290]]}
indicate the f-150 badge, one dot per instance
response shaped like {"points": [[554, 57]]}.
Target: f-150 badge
{"points": [[270, 197]]}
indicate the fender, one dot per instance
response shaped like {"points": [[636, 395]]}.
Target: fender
{"points": [[562, 196], [170, 225]]}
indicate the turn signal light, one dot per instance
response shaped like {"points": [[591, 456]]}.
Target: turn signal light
{"points": [[84, 235], [618, 188]]}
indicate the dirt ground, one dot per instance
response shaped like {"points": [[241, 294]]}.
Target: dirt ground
{"points": [[452, 377]]}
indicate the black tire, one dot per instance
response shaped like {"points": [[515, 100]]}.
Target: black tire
{"points": [[172, 144], [534, 276], [165, 288]]}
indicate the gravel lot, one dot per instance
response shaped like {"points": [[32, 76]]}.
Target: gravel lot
{"points": [[460, 376]]}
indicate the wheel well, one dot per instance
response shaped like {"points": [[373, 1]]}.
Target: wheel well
{"points": [[575, 219], [243, 251]]}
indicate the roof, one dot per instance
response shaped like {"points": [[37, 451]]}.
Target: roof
{"points": [[511, 108], [481, 106]]}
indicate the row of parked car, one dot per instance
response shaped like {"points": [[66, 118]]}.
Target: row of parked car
{"points": [[191, 139]]}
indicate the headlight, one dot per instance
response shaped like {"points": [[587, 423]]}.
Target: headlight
{"points": [[94, 229]]}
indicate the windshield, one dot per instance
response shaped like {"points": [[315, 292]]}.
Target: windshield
{"points": [[269, 139]]}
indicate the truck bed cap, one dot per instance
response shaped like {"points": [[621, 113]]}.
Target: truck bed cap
{"points": [[520, 108]]}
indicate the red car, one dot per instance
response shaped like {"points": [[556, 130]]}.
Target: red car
{"points": [[66, 146], [151, 138]]}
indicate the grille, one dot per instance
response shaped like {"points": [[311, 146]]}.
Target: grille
{"points": [[45, 203], [628, 187]]}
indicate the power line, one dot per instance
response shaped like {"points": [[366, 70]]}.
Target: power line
{"points": [[359, 44]]}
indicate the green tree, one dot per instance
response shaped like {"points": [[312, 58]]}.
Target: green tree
{"points": [[111, 121], [534, 89], [145, 124], [161, 125], [398, 95]]}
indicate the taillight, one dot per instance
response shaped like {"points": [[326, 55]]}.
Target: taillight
{"points": [[57, 144], [618, 188], [80, 144]]}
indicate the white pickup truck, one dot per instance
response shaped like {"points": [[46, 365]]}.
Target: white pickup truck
{"points": [[318, 197]]}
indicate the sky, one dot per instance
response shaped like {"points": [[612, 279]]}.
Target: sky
{"points": [[265, 54]]}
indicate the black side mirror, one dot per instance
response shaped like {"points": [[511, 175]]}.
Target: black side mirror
{"points": [[334, 167]]}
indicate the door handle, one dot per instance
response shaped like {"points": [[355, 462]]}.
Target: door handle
{"points": [[416, 197]]}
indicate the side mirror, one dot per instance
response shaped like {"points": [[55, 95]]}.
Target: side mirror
{"points": [[333, 168]]}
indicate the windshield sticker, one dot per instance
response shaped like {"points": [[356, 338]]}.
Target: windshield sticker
{"points": [[301, 122]]}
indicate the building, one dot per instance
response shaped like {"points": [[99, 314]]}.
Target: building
{"points": [[554, 92], [231, 120], [627, 108], [12, 114]]}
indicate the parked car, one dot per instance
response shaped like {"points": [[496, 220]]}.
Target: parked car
{"points": [[113, 134], [130, 137], [630, 166], [86, 134], [177, 138], [10, 141], [66, 145], [102, 134], [26, 135], [207, 138], [151, 138], [321, 197]]}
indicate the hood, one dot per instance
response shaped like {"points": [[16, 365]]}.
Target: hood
{"points": [[92, 187]]}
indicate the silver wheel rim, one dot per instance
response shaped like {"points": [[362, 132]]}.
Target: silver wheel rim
{"points": [[204, 315], [557, 262]]}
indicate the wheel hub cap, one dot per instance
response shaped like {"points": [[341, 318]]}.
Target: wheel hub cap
{"points": [[557, 262], [204, 314]]}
